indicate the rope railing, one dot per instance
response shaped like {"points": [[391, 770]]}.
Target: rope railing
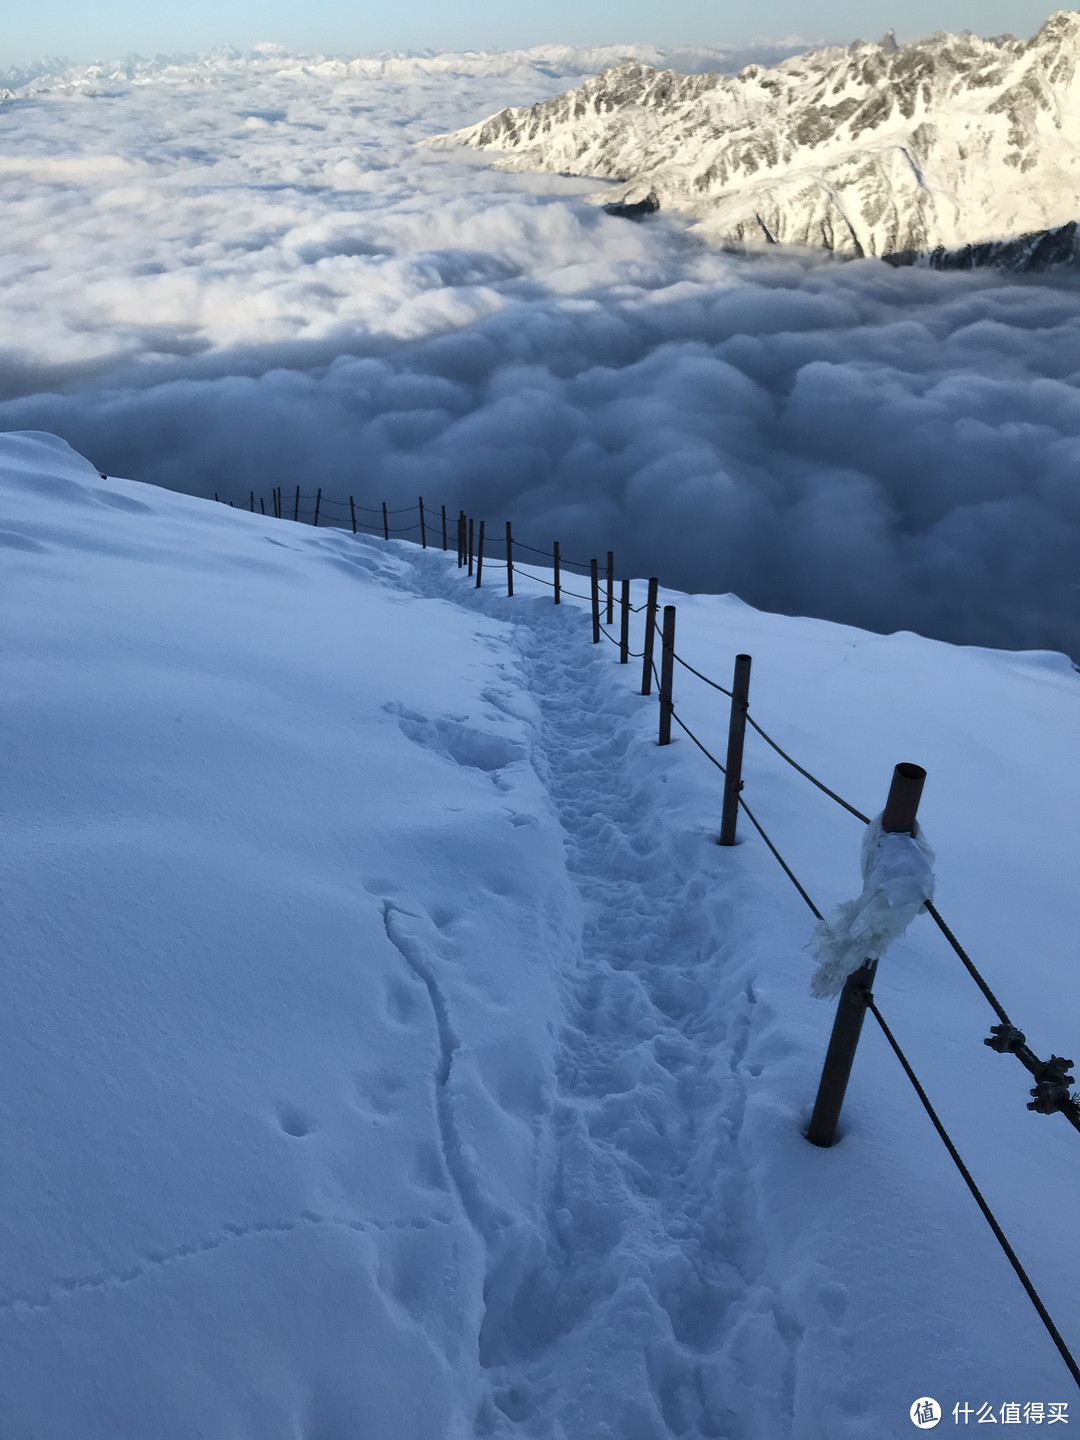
{"points": [[1052, 1082], [1011, 1041]]}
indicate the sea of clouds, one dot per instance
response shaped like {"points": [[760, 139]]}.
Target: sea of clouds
{"points": [[240, 272]]}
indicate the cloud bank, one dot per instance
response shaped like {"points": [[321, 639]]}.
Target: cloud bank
{"points": [[233, 276]]}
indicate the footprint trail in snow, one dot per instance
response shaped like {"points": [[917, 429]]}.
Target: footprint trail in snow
{"points": [[632, 1302]]}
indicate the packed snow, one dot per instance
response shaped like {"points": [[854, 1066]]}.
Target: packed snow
{"points": [[391, 1051], [238, 273]]}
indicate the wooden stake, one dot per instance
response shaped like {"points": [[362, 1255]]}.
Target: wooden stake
{"points": [[740, 700], [624, 628], [898, 819], [650, 631], [594, 587], [667, 668], [509, 561]]}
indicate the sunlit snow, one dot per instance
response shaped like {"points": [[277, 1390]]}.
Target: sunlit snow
{"points": [[390, 1051]]}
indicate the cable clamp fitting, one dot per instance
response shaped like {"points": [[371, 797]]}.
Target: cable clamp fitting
{"points": [[1006, 1039], [1051, 1090]]}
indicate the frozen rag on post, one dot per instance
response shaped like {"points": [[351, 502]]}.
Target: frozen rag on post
{"points": [[898, 878]]}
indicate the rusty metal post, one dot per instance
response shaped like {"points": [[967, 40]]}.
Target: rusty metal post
{"points": [[509, 561], [423, 530], [480, 555], [610, 586], [650, 631], [594, 589], [558, 579], [624, 626], [740, 699], [667, 670], [898, 819]]}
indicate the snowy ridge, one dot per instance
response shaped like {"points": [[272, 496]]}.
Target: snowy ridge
{"points": [[393, 1053], [58, 74], [873, 149]]}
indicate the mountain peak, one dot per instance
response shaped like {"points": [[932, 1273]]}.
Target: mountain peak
{"points": [[873, 149]]}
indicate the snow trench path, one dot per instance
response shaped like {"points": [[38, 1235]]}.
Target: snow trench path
{"points": [[634, 1301]]}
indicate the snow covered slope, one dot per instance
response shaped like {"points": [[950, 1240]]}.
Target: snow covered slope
{"points": [[389, 1051], [869, 150]]}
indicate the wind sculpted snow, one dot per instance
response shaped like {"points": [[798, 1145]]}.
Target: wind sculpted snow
{"points": [[391, 1051]]}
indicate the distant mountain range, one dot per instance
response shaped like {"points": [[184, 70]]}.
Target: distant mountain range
{"points": [[564, 61], [955, 148]]}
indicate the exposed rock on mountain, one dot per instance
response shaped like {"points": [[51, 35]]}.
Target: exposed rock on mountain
{"points": [[873, 149]]}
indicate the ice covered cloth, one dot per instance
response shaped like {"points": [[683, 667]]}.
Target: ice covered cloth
{"points": [[898, 879]]}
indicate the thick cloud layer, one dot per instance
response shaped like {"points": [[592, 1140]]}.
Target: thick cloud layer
{"points": [[241, 276]]}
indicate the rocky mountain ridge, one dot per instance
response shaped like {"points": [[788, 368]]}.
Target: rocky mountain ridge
{"points": [[871, 149]]}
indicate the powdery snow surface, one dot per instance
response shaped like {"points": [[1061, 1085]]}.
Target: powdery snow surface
{"points": [[390, 1051]]}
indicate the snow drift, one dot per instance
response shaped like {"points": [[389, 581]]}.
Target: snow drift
{"points": [[389, 1050]]}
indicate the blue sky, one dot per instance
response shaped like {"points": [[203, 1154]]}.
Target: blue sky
{"points": [[116, 27]]}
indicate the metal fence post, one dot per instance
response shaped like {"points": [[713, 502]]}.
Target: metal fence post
{"points": [[352, 512], [899, 818], [296, 506], [740, 699], [624, 626], [444, 527], [557, 576], [318, 503], [610, 586], [423, 530], [667, 670], [594, 587], [385, 522], [470, 544], [509, 561], [650, 631], [480, 555]]}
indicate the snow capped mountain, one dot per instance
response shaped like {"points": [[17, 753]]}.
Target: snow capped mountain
{"points": [[545, 61], [876, 149]]}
